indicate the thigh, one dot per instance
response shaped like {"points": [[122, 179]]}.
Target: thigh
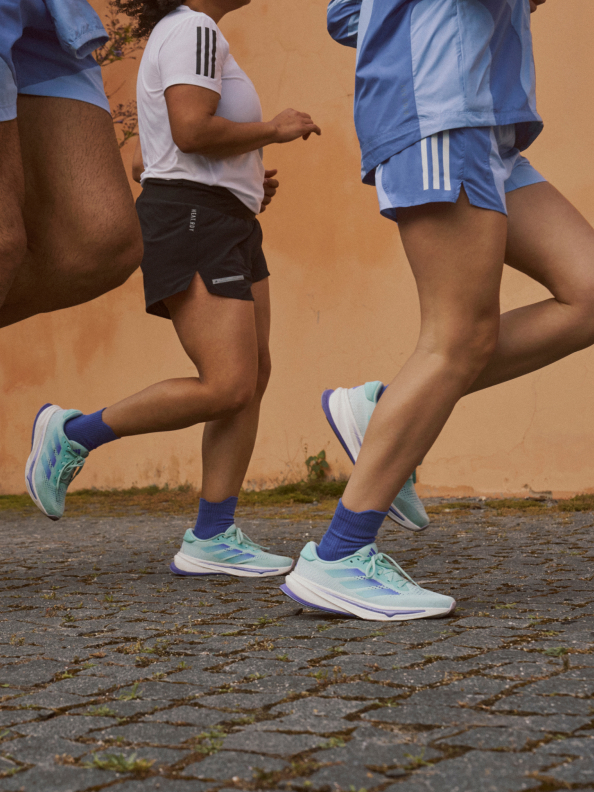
{"points": [[13, 240], [77, 197], [551, 242], [456, 253], [217, 333], [261, 292]]}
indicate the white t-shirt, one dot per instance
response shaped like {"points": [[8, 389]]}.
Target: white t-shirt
{"points": [[187, 48]]}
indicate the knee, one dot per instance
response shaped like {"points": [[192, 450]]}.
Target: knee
{"points": [[234, 396], [469, 349], [120, 254], [264, 371], [13, 247]]}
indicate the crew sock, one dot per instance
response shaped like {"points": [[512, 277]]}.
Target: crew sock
{"points": [[89, 431], [349, 531], [214, 518]]}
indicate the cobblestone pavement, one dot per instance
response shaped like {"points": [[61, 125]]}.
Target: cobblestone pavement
{"points": [[115, 674]]}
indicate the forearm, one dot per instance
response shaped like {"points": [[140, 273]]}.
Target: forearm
{"points": [[219, 138]]}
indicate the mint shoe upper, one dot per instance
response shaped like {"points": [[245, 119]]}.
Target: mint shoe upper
{"points": [[363, 400], [59, 462], [368, 576], [231, 547]]}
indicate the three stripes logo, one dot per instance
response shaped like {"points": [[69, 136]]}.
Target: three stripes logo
{"points": [[206, 51], [435, 163]]}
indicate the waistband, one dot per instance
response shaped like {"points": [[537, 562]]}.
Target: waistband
{"points": [[190, 192]]}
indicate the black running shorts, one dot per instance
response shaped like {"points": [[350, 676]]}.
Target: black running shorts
{"points": [[189, 227]]}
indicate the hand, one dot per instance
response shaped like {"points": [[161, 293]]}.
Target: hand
{"points": [[534, 4], [270, 188], [291, 124]]}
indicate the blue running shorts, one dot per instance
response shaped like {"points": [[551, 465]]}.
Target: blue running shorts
{"points": [[483, 159], [45, 50]]}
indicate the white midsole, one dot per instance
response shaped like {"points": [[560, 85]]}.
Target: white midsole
{"points": [[318, 595], [34, 457], [187, 563], [405, 522], [342, 414]]}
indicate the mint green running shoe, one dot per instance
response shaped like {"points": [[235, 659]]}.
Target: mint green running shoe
{"points": [[367, 584], [229, 553], [54, 460], [348, 411]]}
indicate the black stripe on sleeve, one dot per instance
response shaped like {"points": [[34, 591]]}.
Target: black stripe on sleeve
{"points": [[214, 54], [199, 50], [206, 50]]}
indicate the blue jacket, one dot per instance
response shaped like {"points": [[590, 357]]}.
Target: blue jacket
{"points": [[424, 66]]}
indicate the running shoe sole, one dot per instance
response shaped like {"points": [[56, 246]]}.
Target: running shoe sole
{"points": [[314, 596], [339, 414], [40, 426], [186, 565]]}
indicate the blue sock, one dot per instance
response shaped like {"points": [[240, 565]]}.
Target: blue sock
{"points": [[348, 532], [89, 431], [214, 518]]}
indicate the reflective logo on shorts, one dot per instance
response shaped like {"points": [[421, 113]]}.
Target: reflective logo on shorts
{"points": [[193, 219], [228, 280]]}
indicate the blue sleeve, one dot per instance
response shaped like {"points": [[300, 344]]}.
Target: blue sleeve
{"points": [[343, 21]]}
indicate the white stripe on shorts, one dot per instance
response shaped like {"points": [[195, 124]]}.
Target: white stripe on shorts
{"points": [[425, 164], [228, 280], [435, 160], [447, 184]]}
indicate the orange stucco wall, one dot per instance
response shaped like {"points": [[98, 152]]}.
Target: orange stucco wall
{"points": [[344, 304]]}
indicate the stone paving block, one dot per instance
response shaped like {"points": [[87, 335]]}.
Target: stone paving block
{"points": [[274, 744], [162, 785], [362, 690], [154, 733], [580, 771], [10, 717], [238, 701], [41, 749], [50, 699], [56, 779], [280, 687], [491, 739], [477, 770], [343, 777], [65, 726], [317, 707], [575, 746], [561, 686], [228, 765], [195, 716], [543, 705], [427, 715], [520, 671], [34, 672], [159, 756]]}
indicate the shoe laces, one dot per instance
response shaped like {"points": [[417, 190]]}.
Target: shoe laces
{"points": [[242, 538], [70, 470], [382, 564]]}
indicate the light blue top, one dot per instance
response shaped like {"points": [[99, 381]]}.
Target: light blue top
{"points": [[424, 66]]}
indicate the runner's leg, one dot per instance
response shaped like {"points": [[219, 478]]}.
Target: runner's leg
{"points": [[219, 336], [549, 240], [82, 230], [13, 239], [228, 443], [456, 253]]}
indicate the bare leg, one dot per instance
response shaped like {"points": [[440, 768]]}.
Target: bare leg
{"points": [[13, 240], [549, 240], [219, 337], [456, 252], [82, 230], [228, 443]]}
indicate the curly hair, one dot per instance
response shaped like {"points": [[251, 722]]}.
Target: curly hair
{"points": [[146, 13]]}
